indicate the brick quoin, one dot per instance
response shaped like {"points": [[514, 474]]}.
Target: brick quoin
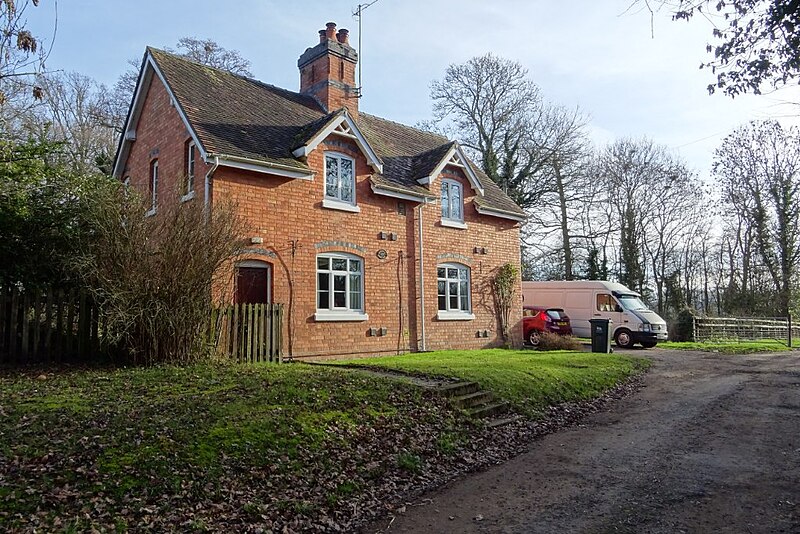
{"points": [[282, 211]]}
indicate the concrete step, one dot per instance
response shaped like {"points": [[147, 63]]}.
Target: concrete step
{"points": [[502, 421], [471, 400], [488, 410], [457, 389]]}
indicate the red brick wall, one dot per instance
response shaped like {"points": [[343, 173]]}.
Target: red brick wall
{"points": [[162, 135], [282, 211]]}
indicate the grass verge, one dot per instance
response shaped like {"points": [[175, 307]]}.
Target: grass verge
{"points": [[175, 449], [727, 347], [530, 380]]}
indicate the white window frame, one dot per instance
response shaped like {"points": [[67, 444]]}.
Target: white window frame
{"points": [[449, 313], [191, 163], [153, 187], [332, 313], [336, 202], [447, 208]]}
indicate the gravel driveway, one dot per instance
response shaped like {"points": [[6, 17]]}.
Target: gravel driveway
{"points": [[710, 444]]}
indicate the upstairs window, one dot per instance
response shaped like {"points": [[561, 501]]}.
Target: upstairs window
{"points": [[340, 179], [153, 186], [453, 288], [190, 168], [452, 201]]}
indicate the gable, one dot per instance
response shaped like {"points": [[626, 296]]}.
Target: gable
{"points": [[342, 125], [149, 73], [454, 157]]}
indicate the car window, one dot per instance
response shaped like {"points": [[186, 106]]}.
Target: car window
{"points": [[555, 314], [527, 313]]}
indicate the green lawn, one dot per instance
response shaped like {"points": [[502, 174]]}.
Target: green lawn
{"points": [[728, 347], [221, 448], [530, 380], [207, 447]]}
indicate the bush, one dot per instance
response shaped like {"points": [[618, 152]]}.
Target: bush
{"points": [[550, 341], [684, 325], [153, 277]]}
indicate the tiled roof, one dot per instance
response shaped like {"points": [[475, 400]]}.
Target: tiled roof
{"points": [[237, 116]]}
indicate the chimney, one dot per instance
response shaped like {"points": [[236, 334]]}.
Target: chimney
{"points": [[328, 71]]}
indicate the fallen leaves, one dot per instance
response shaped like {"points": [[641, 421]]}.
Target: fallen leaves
{"points": [[239, 449]]}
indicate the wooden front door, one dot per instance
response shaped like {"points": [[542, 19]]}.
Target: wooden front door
{"points": [[252, 285]]}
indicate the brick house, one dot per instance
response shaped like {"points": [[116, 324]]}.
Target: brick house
{"points": [[382, 237]]}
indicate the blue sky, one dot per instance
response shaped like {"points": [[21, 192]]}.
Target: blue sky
{"points": [[581, 53]]}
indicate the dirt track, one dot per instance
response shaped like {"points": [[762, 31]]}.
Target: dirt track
{"points": [[710, 444]]}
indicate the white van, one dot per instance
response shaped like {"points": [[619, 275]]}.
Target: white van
{"points": [[631, 321]]}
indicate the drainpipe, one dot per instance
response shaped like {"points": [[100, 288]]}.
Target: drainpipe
{"points": [[421, 281], [207, 189]]}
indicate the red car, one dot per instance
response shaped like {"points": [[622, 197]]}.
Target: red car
{"points": [[536, 320]]}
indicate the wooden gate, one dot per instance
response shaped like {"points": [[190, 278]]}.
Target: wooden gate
{"points": [[248, 332]]}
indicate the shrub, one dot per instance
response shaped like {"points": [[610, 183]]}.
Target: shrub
{"points": [[684, 325], [550, 341], [153, 276]]}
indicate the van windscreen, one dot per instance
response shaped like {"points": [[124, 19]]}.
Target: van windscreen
{"points": [[632, 302]]}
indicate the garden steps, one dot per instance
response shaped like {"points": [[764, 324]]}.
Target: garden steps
{"points": [[463, 394], [485, 411], [457, 389], [471, 400]]}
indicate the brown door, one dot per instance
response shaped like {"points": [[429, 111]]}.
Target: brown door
{"points": [[252, 285]]}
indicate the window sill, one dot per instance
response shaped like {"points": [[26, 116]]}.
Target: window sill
{"points": [[449, 223], [150, 212], [342, 316], [187, 197], [454, 316], [332, 204]]}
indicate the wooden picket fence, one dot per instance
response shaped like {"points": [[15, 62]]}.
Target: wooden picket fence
{"points": [[248, 333], [48, 326]]}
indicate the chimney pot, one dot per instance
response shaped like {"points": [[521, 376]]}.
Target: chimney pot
{"points": [[322, 36], [330, 31], [343, 36]]}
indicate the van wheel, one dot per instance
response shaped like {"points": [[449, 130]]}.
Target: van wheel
{"points": [[624, 339], [534, 338], [648, 344]]}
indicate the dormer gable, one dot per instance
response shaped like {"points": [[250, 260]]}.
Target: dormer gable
{"points": [[455, 157], [340, 124]]}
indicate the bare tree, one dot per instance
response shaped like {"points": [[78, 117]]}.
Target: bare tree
{"points": [[673, 214], [74, 114], [635, 172], [208, 52], [759, 170], [497, 112]]}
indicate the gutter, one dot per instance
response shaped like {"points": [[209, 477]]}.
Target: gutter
{"points": [[500, 213], [287, 171]]}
